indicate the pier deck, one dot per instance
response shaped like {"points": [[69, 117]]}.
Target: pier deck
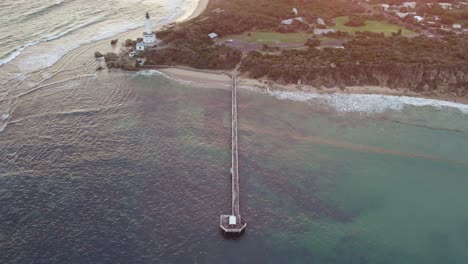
{"points": [[225, 221]]}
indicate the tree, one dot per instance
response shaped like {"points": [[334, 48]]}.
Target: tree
{"points": [[313, 42], [355, 21]]}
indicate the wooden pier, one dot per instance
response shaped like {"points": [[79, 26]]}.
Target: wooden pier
{"points": [[233, 224]]}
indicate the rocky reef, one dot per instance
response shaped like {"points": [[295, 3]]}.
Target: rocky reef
{"points": [[122, 62]]}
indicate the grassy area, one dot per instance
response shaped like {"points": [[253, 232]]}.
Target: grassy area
{"points": [[372, 26], [270, 37]]}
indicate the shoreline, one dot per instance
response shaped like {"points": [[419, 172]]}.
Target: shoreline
{"points": [[125, 33], [199, 78], [201, 7], [185, 74]]}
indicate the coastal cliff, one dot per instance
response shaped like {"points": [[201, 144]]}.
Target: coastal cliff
{"points": [[445, 79]]}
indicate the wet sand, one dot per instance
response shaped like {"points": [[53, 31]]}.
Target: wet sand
{"points": [[199, 78], [185, 74], [202, 5]]}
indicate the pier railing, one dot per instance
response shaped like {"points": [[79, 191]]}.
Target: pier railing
{"points": [[233, 223]]}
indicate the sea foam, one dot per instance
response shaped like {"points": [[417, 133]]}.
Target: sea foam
{"points": [[3, 117], [368, 103], [39, 58]]}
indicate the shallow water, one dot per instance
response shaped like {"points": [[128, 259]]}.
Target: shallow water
{"points": [[134, 168], [36, 34]]}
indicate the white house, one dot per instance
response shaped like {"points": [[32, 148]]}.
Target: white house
{"points": [[403, 15], [213, 35], [385, 7], [418, 18], [290, 21], [456, 26], [320, 21], [140, 46], [295, 11], [323, 31], [445, 5], [411, 5]]}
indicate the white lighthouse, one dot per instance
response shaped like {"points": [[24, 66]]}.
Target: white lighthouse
{"points": [[149, 37]]}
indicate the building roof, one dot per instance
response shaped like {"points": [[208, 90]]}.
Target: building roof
{"points": [[290, 21], [320, 21], [403, 15], [295, 11], [323, 31], [213, 35], [232, 220], [409, 4]]}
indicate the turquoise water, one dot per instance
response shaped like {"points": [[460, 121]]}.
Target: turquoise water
{"points": [[132, 168], [364, 188]]}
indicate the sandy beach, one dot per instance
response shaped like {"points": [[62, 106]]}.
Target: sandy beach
{"points": [[201, 7], [199, 78], [220, 79]]}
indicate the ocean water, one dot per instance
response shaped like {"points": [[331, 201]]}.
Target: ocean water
{"points": [[115, 167], [38, 33], [134, 168]]}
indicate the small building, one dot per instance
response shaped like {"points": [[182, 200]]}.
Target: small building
{"points": [[140, 46], [232, 220], [445, 5], [213, 35], [295, 11], [411, 5], [291, 20], [403, 15], [457, 26], [318, 31], [320, 21], [385, 7], [418, 18]]}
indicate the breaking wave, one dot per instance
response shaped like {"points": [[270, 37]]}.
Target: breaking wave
{"points": [[44, 9], [368, 103], [3, 121], [108, 29], [16, 52]]}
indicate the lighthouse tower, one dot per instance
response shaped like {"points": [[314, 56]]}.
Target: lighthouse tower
{"points": [[149, 37]]}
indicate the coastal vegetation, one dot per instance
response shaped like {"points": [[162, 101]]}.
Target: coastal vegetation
{"points": [[188, 46], [344, 24], [356, 47], [269, 37], [371, 59]]}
